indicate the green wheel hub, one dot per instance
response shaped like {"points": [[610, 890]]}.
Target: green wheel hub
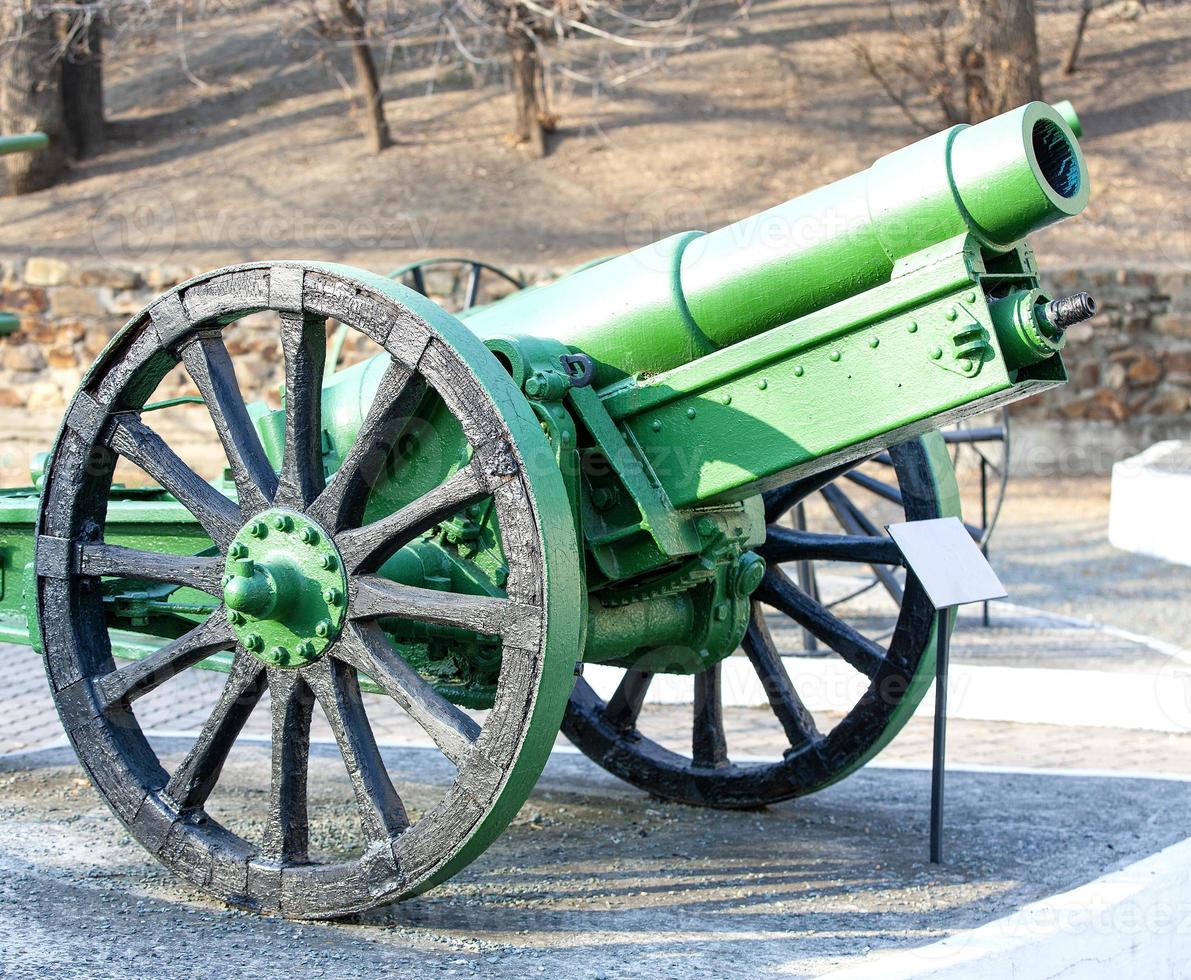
{"points": [[285, 589]]}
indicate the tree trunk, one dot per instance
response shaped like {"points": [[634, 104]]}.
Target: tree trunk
{"points": [[367, 79], [1085, 11], [1000, 60], [82, 82], [527, 84], [31, 95]]}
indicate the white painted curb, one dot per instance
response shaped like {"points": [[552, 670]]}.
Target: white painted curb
{"points": [[1133, 923]]}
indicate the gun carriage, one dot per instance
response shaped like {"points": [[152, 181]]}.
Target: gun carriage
{"points": [[595, 471]]}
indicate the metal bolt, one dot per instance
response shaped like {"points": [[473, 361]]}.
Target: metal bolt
{"points": [[690, 413], [323, 627], [332, 596], [328, 562], [952, 313], [501, 577], [656, 425], [253, 642], [874, 342], [936, 353], [798, 370], [706, 526], [279, 655], [305, 649], [725, 399], [309, 535], [970, 297], [282, 522], [912, 327], [835, 355], [762, 384], [237, 550], [964, 364], [258, 529], [234, 617]]}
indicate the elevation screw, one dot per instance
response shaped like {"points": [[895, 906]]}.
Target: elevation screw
{"points": [[1066, 311]]}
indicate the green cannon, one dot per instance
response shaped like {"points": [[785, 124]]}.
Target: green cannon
{"points": [[586, 478]]}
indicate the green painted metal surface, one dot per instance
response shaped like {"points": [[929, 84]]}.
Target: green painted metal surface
{"points": [[285, 589], [23, 143]]}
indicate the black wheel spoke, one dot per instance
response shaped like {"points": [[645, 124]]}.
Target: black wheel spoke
{"points": [[517, 623], [337, 688], [136, 442], [878, 487], [367, 547], [779, 501], [396, 400], [624, 707], [796, 720], [115, 561], [192, 782], [121, 687], [287, 836], [862, 653], [783, 544], [365, 647], [304, 345], [210, 366], [709, 749], [853, 520]]}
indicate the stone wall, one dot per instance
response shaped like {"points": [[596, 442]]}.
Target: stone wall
{"points": [[1130, 367]]}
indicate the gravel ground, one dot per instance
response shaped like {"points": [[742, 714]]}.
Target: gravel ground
{"points": [[592, 880]]}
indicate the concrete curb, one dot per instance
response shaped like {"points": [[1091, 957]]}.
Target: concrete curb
{"points": [[1135, 922]]}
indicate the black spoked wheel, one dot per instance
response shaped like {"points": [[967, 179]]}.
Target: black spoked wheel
{"points": [[898, 668], [298, 540]]}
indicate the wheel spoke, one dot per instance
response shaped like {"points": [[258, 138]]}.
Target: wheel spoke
{"points": [[365, 647], [517, 623], [862, 653], [396, 400], [796, 720], [200, 572], [783, 544], [778, 501], [210, 366], [853, 520], [337, 689], [136, 442], [123, 686], [878, 487], [367, 547], [304, 346], [196, 776], [624, 707], [709, 749], [287, 836]]}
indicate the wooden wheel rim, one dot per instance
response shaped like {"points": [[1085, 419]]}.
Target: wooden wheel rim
{"points": [[928, 489], [539, 622]]}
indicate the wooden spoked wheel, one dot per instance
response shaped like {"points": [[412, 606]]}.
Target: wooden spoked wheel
{"points": [[505, 458], [899, 671]]}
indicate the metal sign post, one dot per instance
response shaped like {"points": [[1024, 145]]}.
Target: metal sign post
{"points": [[953, 572]]}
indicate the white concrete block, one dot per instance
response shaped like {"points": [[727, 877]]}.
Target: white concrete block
{"points": [[1150, 509]]}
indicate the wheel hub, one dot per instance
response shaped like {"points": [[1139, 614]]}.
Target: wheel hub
{"points": [[285, 589]]}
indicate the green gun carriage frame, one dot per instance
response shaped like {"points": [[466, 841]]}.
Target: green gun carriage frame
{"points": [[593, 471]]}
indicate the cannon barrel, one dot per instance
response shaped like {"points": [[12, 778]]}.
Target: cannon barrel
{"points": [[23, 143], [673, 301]]}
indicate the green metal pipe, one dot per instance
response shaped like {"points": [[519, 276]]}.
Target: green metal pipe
{"points": [[24, 143], [672, 302]]}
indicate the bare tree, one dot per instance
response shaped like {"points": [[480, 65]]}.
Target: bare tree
{"points": [[31, 93], [1000, 58], [950, 63], [355, 26], [81, 47]]}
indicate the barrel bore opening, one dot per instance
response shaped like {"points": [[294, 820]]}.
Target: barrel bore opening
{"points": [[1056, 158]]}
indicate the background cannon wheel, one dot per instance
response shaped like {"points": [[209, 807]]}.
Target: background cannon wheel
{"points": [[899, 669], [431, 356]]}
